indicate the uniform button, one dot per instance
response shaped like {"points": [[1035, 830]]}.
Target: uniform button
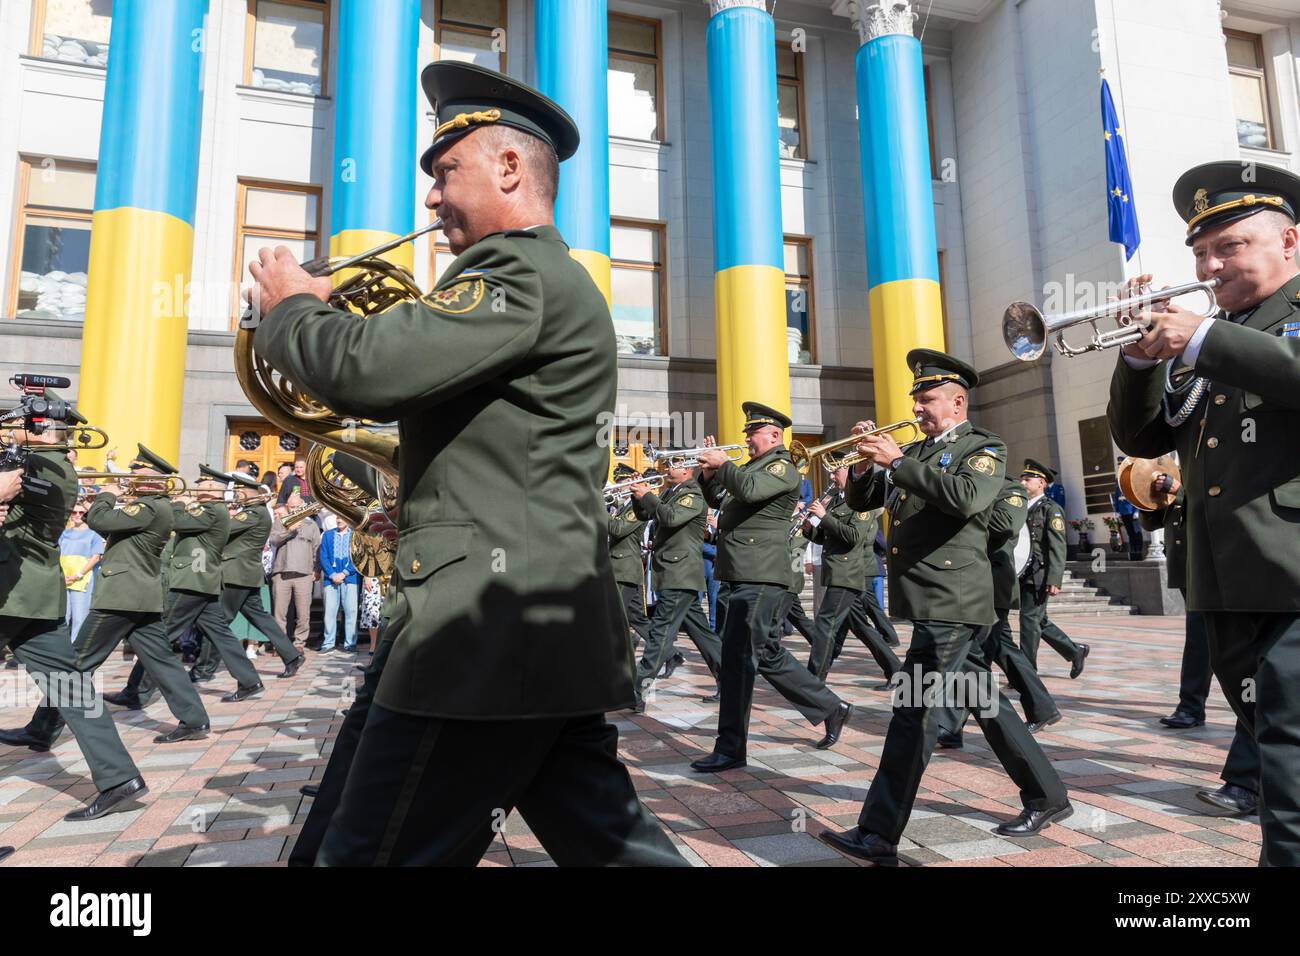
{"points": [[1178, 540], [750, 540], [893, 551], [1220, 399], [415, 566], [1212, 443], [903, 496], [947, 564], [1215, 491]]}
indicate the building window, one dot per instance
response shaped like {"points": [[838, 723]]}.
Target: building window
{"points": [[1249, 89], [1098, 459], [929, 124], [799, 339], [789, 102], [53, 254], [274, 214], [636, 252], [471, 31], [635, 96], [75, 31], [287, 46]]}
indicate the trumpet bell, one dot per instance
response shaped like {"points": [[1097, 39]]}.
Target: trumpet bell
{"points": [[1024, 331]]}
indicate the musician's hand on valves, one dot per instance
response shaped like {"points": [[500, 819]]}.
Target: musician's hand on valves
{"points": [[640, 490], [111, 489], [278, 276], [711, 458], [817, 508], [882, 449], [1166, 332]]}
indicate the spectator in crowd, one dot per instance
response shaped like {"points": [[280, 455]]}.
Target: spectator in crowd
{"points": [[372, 601], [1128, 514], [270, 480], [293, 569], [711, 584], [341, 584], [1056, 491], [294, 482], [79, 552]]}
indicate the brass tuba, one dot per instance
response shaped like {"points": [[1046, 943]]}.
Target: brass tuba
{"points": [[372, 554], [370, 285]]}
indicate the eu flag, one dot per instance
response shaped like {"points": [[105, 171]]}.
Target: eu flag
{"points": [[1119, 196]]}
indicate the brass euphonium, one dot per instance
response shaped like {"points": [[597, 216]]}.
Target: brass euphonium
{"points": [[371, 285], [372, 554]]}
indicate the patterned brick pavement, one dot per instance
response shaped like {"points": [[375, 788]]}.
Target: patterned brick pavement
{"points": [[232, 800]]}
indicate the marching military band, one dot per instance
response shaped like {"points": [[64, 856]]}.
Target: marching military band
{"points": [[518, 605]]}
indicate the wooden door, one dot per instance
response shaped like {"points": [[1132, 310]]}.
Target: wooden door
{"points": [[262, 443]]}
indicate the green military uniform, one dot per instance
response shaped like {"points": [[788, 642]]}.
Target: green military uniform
{"points": [[626, 531], [754, 566], [1005, 523], [242, 577], [680, 517], [1233, 417], [127, 603], [792, 607], [509, 642], [1046, 568], [33, 603], [868, 619], [939, 495]]}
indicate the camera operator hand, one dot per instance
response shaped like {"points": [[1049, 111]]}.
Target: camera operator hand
{"points": [[11, 483]]}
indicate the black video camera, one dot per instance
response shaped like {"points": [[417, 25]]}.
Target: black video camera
{"points": [[36, 411]]}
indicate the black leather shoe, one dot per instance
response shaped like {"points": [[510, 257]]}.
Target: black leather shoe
{"points": [[1076, 668], [716, 763], [672, 664], [949, 741], [6, 851], [309, 789], [639, 706], [1040, 724], [291, 668], [1179, 720], [183, 732], [1031, 821], [1232, 798], [834, 724], [863, 845], [111, 801], [714, 697], [123, 699], [243, 693], [887, 685], [21, 738]]}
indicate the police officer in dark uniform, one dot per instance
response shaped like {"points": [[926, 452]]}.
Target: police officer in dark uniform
{"points": [[1005, 524], [33, 605], [508, 638], [939, 494], [625, 533], [679, 518], [242, 577], [754, 567], [1043, 575], [127, 604]]}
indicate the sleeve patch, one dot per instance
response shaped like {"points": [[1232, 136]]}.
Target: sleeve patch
{"points": [[242, 516], [687, 501], [984, 464], [1016, 501], [458, 298], [194, 508], [1058, 523], [863, 515], [132, 510], [776, 468]]}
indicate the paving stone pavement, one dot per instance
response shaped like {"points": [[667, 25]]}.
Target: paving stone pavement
{"points": [[232, 799]]}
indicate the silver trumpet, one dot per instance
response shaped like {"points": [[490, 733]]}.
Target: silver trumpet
{"points": [[619, 492], [690, 457], [1025, 329]]}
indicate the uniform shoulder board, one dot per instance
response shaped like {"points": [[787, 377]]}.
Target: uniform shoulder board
{"points": [[460, 297], [985, 464], [776, 468]]}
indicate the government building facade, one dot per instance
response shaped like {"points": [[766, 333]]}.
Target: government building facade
{"points": [[1018, 177]]}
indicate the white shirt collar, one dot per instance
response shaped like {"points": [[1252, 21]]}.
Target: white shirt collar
{"points": [[1034, 500], [940, 437]]}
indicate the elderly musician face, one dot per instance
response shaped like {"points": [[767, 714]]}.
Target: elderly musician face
{"points": [[1252, 258], [763, 439], [940, 408]]}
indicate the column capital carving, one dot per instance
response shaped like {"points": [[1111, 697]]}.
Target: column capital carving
{"points": [[717, 6], [877, 19]]}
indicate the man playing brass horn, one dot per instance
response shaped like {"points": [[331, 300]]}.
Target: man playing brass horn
{"points": [[508, 639]]}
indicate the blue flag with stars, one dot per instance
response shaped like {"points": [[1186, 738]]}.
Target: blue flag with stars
{"points": [[1119, 196]]}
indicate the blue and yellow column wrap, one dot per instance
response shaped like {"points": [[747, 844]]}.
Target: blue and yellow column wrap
{"points": [[571, 44], [749, 285], [142, 233], [375, 114], [898, 207]]}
